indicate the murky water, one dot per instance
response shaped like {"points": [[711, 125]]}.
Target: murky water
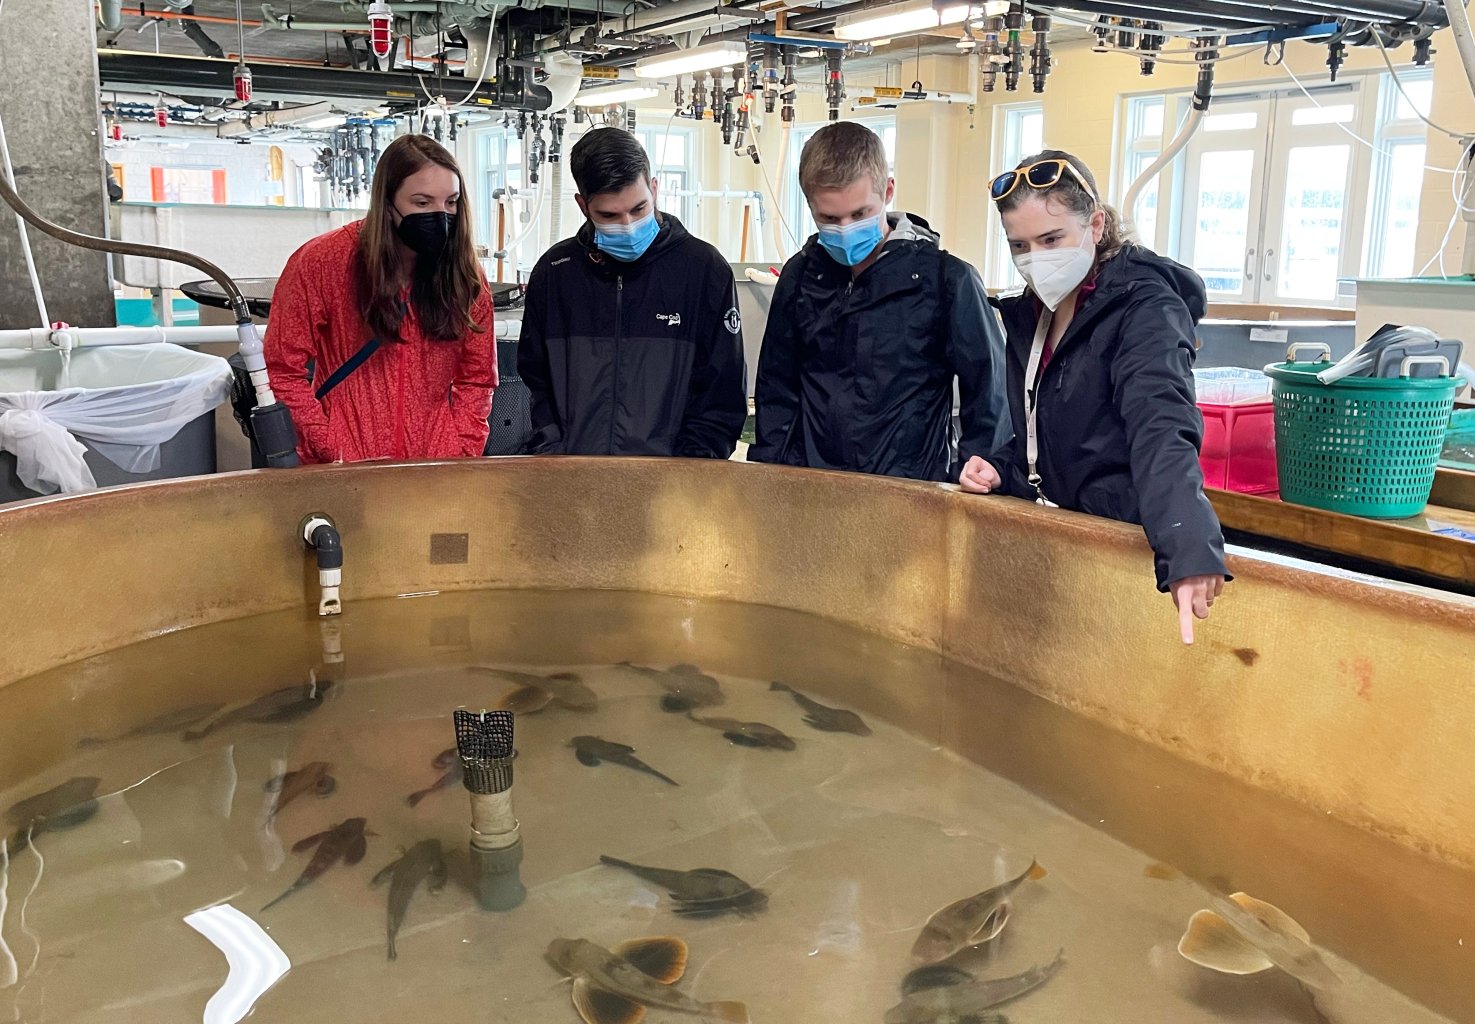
{"points": [[856, 839]]}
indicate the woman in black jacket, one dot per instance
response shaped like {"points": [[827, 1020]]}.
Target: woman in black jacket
{"points": [[1100, 355]]}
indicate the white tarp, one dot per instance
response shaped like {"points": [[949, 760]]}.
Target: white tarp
{"points": [[123, 400]]}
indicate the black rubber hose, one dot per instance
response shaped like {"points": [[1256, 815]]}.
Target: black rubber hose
{"points": [[197, 33], [329, 546]]}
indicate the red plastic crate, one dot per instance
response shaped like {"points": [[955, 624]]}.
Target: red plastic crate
{"points": [[1238, 453]]}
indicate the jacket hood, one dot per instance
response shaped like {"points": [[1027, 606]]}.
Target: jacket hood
{"points": [[908, 227], [671, 234], [1136, 263]]}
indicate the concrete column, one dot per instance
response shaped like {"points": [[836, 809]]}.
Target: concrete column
{"points": [[48, 99]]}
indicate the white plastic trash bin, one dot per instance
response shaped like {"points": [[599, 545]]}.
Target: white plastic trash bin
{"points": [[105, 415]]}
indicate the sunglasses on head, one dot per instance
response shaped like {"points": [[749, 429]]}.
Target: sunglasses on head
{"points": [[1041, 175]]}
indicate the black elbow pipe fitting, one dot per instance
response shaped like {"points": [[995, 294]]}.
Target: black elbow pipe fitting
{"points": [[320, 533], [276, 438], [329, 546]]}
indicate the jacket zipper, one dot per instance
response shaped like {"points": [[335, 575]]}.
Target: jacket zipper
{"points": [[619, 335]]}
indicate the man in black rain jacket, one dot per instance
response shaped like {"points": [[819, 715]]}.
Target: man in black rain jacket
{"points": [[870, 323], [631, 339]]}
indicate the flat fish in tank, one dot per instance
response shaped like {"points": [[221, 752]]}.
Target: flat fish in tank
{"points": [[446, 758], [687, 687], [967, 1001], [312, 778], [61, 807], [699, 892], [615, 987], [344, 841], [280, 706], [535, 692], [970, 921], [169, 721], [934, 976], [1243, 935], [823, 717], [748, 734], [593, 751], [423, 862]]}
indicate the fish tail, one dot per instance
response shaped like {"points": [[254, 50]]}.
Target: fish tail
{"points": [[393, 953], [294, 887], [414, 798], [732, 1011], [661, 776]]}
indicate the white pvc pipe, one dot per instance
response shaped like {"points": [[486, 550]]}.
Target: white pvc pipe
{"points": [[508, 330], [110, 14], [39, 338], [1129, 203], [511, 245], [1459, 24], [775, 223], [25, 238]]}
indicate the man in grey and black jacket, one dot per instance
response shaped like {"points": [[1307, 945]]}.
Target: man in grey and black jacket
{"points": [[870, 325], [631, 339]]}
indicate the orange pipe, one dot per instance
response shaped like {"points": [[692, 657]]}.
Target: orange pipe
{"points": [[501, 235], [743, 249], [208, 19]]}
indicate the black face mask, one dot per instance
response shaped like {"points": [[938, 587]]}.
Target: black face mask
{"points": [[428, 234]]}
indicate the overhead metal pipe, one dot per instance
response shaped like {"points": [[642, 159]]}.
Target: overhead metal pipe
{"points": [[190, 75], [1232, 13]]}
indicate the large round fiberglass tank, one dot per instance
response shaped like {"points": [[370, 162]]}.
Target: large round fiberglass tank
{"points": [[849, 749]]}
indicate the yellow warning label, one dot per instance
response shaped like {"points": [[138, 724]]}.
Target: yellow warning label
{"points": [[598, 72], [865, 101], [887, 92], [397, 94]]}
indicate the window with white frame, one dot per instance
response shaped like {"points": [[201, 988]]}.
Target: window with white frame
{"points": [[1142, 143], [1019, 131], [498, 167], [1284, 196], [1393, 226], [799, 219], [672, 163]]}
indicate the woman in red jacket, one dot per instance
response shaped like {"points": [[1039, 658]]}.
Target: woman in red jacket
{"points": [[380, 339]]}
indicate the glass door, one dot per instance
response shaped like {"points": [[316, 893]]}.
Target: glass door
{"points": [[1223, 182], [1310, 232]]}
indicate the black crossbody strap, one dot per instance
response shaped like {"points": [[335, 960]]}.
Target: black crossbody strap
{"points": [[349, 365]]}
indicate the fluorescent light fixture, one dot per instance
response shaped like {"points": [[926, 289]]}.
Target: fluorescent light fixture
{"points": [[331, 121], [698, 58], [605, 95], [910, 16]]}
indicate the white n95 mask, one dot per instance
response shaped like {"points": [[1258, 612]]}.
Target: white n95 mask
{"points": [[1052, 274]]}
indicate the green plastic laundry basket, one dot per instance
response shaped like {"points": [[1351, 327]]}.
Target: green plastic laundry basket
{"points": [[1364, 446]]}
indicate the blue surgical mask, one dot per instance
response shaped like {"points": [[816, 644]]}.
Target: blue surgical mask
{"points": [[627, 242], [853, 242]]}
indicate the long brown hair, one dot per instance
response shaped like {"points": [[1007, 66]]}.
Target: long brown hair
{"points": [[1068, 192], [443, 300]]}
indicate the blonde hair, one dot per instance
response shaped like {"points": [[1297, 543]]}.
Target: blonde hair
{"points": [[839, 155]]}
